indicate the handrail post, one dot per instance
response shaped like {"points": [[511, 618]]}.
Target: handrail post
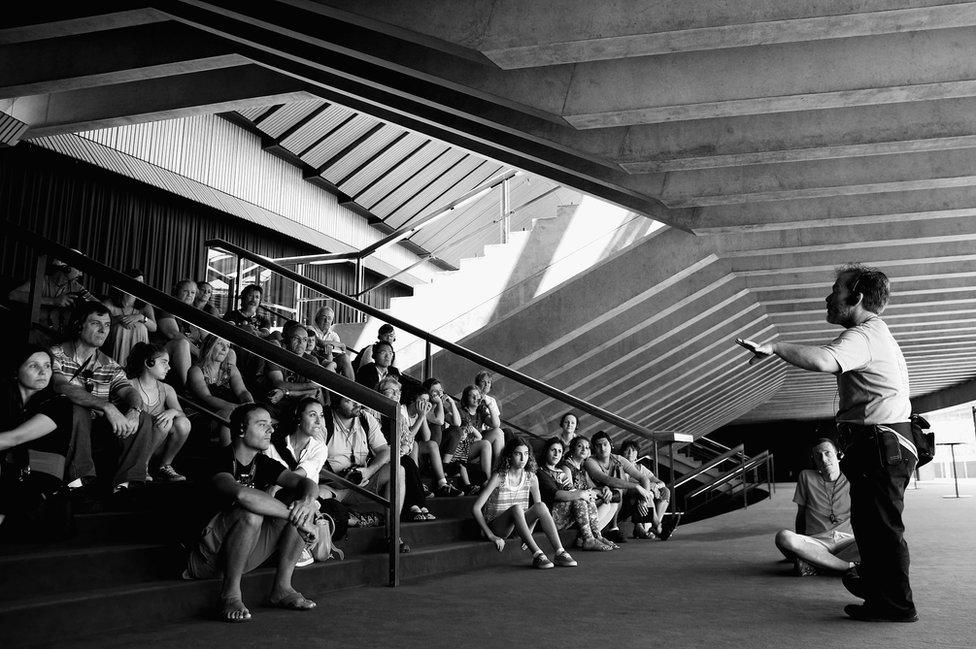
{"points": [[393, 517], [674, 493], [506, 220], [34, 300], [745, 481], [656, 461], [428, 364], [360, 316], [236, 298]]}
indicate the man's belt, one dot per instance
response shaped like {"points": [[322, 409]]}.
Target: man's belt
{"points": [[852, 433]]}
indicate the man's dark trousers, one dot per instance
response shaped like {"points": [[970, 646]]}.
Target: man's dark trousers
{"points": [[877, 502]]}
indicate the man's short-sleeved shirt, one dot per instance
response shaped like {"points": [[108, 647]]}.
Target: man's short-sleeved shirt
{"points": [[290, 376], [101, 376], [873, 383], [821, 499], [261, 473], [349, 448], [312, 458]]}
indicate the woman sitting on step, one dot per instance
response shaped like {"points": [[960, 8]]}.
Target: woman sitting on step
{"points": [[35, 428], [573, 460], [511, 501], [569, 506], [464, 444], [216, 383], [408, 430], [146, 368]]}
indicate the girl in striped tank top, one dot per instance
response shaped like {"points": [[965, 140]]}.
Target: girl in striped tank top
{"points": [[504, 505]]}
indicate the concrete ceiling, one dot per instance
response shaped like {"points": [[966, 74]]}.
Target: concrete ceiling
{"points": [[787, 136]]}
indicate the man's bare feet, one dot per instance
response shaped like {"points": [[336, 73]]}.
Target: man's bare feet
{"points": [[291, 600], [233, 610]]}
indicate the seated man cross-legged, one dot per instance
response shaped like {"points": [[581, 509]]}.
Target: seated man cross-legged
{"points": [[251, 525], [823, 539]]}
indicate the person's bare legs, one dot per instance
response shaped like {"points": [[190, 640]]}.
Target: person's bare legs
{"points": [[794, 545], [178, 434], [496, 438], [433, 451], [290, 546], [539, 512], [236, 547], [514, 518], [481, 451], [383, 485], [180, 359]]}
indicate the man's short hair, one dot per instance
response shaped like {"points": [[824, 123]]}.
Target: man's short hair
{"points": [[81, 314], [379, 344], [179, 283], [241, 415], [290, 327], [385, 329], [250, 288], [562, 420], [429, 383], [601, 434], [870, 282], [629, 444], [480, 376], [823, 440]]}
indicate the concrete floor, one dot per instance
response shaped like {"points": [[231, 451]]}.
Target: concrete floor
{"points": [[716, 583]]}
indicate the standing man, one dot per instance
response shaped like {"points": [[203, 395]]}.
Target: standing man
{"points": [[873, 421]]}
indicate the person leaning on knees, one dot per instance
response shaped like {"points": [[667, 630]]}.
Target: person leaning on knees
{"points": [[874, 422], [823, 540], [250, 525]]}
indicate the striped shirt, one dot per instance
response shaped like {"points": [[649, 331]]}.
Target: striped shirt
{"points": [[507, 495], [101, 376]]}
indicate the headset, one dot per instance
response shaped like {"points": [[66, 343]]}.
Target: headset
{"points": [[150, 362]]}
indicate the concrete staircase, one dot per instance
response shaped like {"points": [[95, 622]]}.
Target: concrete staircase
{"points": [[122, 570], [508, 276]]}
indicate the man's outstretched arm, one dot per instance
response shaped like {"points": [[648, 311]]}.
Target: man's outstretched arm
{"points": [[808, 357]]}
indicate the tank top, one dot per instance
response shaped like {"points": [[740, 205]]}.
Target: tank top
{"points": [[507, 495]]}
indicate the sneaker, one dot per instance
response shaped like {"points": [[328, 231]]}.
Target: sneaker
{"points": [[541, 561], [668, 525], [640, 532], [563, 560], [864, 613], [803, 569], [615, 535], [305, 559], [167, 473], [448, 491], [472, 490]]}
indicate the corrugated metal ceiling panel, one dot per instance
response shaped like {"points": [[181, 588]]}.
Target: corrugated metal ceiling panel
{"points": [[398, 175], [418, 180], [317, 127], [383, 164], [339, 140], [470, 172], [345, 165], [254, 112], [283, 118]]}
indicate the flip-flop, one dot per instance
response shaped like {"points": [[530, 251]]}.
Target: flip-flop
{"points": [[232, 606], [427, 514], [294, 601]]}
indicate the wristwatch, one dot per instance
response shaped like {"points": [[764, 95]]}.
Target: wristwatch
{"points": [[287, 392]]}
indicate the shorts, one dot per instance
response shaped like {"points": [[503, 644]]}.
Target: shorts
{"points": [[835, 542], [205, 561], [350, 497]]}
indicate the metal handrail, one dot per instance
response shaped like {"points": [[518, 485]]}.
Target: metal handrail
{"points": [[337, 383], [335, 477], [728, 476], [708, 467], [494, 366]]}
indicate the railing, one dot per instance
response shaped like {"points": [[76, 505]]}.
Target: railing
{"points": [[463, 352], [749, 464], [388, 409]]}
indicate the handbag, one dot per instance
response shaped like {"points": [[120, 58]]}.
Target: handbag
{"points": [[924, 442]]}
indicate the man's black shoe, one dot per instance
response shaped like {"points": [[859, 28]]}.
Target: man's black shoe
{"points": [[615, 535], [668, 525], [863, 613], [854, 583], [84, 501]]}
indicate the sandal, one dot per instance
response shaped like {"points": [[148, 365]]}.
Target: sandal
{"points": [[416, 514], [427, 515]]}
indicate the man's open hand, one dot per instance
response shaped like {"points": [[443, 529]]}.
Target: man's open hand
{"points": [[760, 352]]}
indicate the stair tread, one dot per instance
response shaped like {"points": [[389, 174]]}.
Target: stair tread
{"points": [[24, 553]]}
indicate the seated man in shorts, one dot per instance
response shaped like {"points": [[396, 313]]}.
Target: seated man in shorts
{"points": [[251, 525], [823, 540]]}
